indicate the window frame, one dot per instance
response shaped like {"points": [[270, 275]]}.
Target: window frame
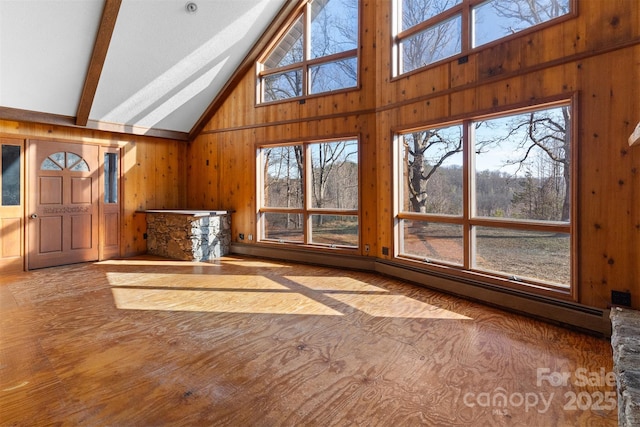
{"points": [[464, 9], [307, 210], [307, 63], [469, 219]]}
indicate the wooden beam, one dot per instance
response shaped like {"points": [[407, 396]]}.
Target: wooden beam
{"points": [[100, 48]]}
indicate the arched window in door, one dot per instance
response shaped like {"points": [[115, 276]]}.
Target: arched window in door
{"points": [[65, 160]]}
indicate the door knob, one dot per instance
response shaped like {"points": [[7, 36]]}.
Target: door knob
{"points": [[34, 216]]}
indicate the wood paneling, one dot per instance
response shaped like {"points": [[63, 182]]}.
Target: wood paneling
{"points": [[153, 172], [594, 55], [154, 178], [111, 203], [11, 238], [609, 177], [254, 342]]}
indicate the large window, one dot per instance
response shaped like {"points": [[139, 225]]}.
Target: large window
{"points": [[310, 193], [428, 31], [490, 195], [318, 53]]}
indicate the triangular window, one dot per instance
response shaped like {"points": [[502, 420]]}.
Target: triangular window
{"points": [[318, 53], [290, 50]]}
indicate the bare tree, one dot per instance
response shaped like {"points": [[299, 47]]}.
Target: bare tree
{"points": [[494, 191], [418, 50], [422, 166], [282, 178], [541, 132], [529, 12], [328, 159], [431, 45], [334, 29], [550, 134]]}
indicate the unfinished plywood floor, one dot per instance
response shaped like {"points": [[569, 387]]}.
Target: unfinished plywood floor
{"points": [[248, 342]]}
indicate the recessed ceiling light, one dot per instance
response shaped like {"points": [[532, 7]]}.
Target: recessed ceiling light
{"points": [[191, 7]]}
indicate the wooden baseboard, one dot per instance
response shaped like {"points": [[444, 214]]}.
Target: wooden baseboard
{"points": [[352, 262], [11, 265], [565, 313]]}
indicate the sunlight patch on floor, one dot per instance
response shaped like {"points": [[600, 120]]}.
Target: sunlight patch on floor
{"points": [[179, 280], [199, 289], [219, 301], [335, 283], [396, 306], [253, 264]]}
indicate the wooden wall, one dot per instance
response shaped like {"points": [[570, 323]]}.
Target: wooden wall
{"points": [[154, 175], [594, 56]]}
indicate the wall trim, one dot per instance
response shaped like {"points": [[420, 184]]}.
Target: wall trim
{"points": [[561, 312], [123, 131], [479, 82]]}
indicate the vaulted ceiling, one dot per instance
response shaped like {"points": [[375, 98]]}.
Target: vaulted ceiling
{"points": [[154, 67]]}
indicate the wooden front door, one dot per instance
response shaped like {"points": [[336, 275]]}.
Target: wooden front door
{"points": [[63, 203]]}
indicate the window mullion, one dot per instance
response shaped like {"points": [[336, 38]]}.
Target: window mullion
{"points": [[308, 192], [468, 199], [396, 27], [333, 57], [280, 70], [429, 23], [466, 30], [306, 80]]}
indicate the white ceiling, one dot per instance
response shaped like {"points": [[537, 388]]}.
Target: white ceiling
{"points": [[163, 68]]}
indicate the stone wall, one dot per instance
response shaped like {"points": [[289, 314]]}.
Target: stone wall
{"points": [[625, 340], [188, 237]]}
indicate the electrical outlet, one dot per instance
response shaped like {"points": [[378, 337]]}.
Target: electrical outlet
{"points": [[250, 236], [241, 236], [621, 298], [366, 247], [385, 250]]}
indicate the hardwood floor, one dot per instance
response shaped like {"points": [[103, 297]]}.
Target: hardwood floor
{"points": [[248, 342]]}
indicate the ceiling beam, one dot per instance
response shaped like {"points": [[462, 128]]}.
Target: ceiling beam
{"points": [[100, 48]]}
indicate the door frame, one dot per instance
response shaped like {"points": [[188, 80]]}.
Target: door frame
{"points": [[103, 253]]}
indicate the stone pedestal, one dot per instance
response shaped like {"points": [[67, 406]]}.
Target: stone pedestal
{"points": [[625, 340], [188, 235]]}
